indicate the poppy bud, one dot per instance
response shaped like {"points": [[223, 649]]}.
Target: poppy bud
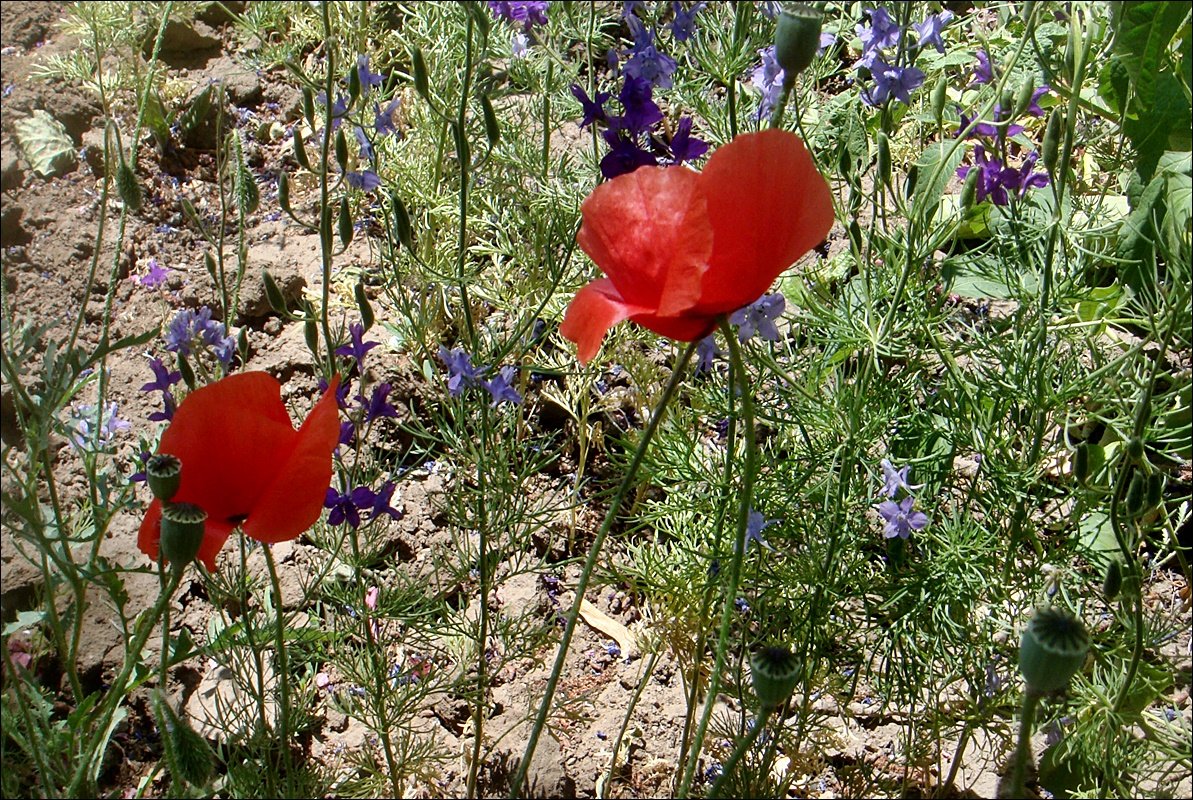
{"points": [[797, 38], [1052, 649], [163, 472], [188, 753], [774, 671], [1135, 449], [183, 525], [127, 187]]}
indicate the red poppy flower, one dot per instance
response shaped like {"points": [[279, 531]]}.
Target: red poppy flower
{"points": [[680, 249], [244, 464]]}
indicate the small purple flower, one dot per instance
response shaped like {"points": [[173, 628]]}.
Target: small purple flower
{"points": [[82, 429], [155, 277], [519, 44], [347, 433], [357, 348], [768, 79], [594, 110], [500, 387], [1033, 108], [896, 82], [366, 147], [706, 351], [624, 155], [755, 524], [189, 328], [368, 79], [990, 130], [759, 317], [383, 118], [895, 479], [639, 110], [379, 405], [928, 31], [998, 181], [341, 391], [365, 180], [882, 31], [343, 509], [339, 110], [526, 13], [827, 40], [684, 146], [461, 374], [376, 503], [683, 26], [901, 520], [983, 73], [163, 378], [741, 605]]}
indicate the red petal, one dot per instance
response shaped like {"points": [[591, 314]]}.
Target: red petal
{"points": [[648, 232], [768, 206], [233, 438], [294, 500], [593, 311], [684, 328], [150, 535]]}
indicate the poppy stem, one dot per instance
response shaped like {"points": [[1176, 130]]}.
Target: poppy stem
{"points": [[742, 748], [540, 721], [281, 673], [746, 495]]}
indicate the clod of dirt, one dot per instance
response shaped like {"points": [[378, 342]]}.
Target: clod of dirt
{"points": [[10, 166], [242, 85], [183, 42]]}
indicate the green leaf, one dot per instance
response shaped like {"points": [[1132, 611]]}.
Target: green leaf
{"points": [[1142, 34], [45, 144], [25, 619], [936, 167]]}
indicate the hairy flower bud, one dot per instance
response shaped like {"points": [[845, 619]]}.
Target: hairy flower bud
{"points": [[1052, 649], [182, 532], [163, 473], [797, 38]]}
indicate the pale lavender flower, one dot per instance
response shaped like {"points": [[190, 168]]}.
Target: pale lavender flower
{"points": [[683, 26], [461, 374], [901, 520], [755, 524], [646, 62], [759, 317], [768, 80], [928, 31], [895, 479], [368, 78], [365, 180], [706, 351], [882, 32], [154, 277], [984, 72], [84, 434], [501, 389], [896, 82]]}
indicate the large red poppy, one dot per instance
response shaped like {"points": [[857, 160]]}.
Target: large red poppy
{"points": [[244, 464], [680, 249]]}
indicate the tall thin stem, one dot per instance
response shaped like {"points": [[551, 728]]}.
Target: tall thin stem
{"points": [[627, 481]]}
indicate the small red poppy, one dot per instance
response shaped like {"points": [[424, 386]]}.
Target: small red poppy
{"points": [[244, 464], [680, 249]]}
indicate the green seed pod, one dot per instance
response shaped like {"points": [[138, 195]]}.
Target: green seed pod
{"points": [[419, 69], [884, 158], [460, 137], [913, 176], [182, 532], [969, 191], [284, 192], [209, 265], [308, 106], [310, 332], [1112, 584], [1155, 489], [362, 304], [797, 38], [345, 222], [1136, 495], [1023, 99], [401, 221], [1007, 103], [940, 95], [163, 473], [353, 84], [492, 128], [1052, 649], [273, 293], [341, 149], [300, 151], [775, 671], [1081, 463], [128, 187]]}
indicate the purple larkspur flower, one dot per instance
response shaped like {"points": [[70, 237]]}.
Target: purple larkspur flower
{"points": [[768, 78], [624, 156], [501, 389], [990, 130], [378, 405], [928, 32], [190, 328], [983, 73], [895, 479], [368, 78], [882, 32], [594, 110], [376, 503], [684, 146], [163, 379], [461, 373], [639, 110], [1000, 182], [759, 317], [366, 147], [343, 509], [383, 118], [526, 13], [827, 40], [356, 348], [900, 519], [755, 524], [365, 180], [1033, 108], [155, 276], [889, 81], [706, 352], [339, 110], [683, 24]]}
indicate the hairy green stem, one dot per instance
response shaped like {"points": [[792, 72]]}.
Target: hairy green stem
{"points": [[1018, 773], [282, 671], [519, 780]]}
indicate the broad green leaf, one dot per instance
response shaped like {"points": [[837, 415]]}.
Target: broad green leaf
{"points": [[936, 166]]}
